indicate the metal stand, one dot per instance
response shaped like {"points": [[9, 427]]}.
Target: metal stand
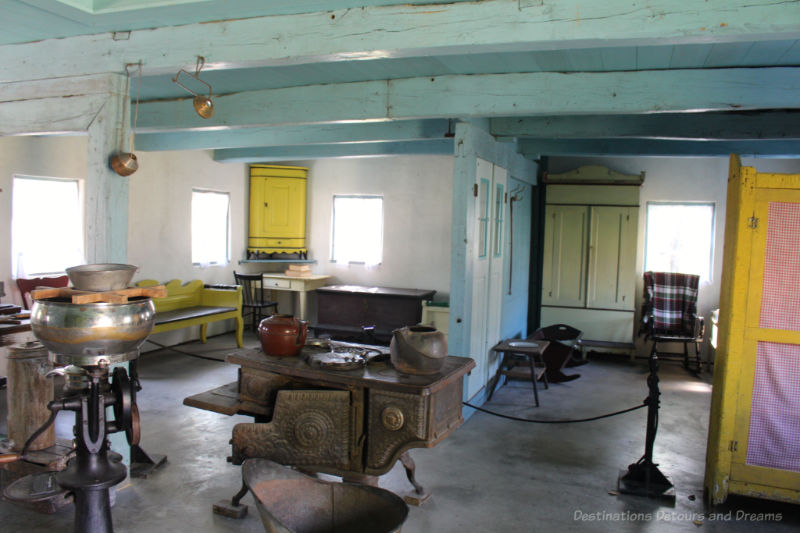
{"points": [[643, 478], [91, 473]]}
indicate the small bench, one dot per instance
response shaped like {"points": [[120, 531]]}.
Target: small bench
{"points": [[196, 304]]}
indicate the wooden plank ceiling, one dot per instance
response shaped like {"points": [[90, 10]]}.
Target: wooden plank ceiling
{"points": [[324, 78]]}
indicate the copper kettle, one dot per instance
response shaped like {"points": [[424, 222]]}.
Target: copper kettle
{"points": [[282, 335]]}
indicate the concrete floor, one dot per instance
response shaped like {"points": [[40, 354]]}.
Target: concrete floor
{"points": [[491, 475]]}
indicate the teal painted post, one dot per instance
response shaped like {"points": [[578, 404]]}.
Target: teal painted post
{"points": [[464, 166], [106, 192]]}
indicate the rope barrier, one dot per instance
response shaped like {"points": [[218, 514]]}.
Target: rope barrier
{"points": [[519, 419], [173, 349]]}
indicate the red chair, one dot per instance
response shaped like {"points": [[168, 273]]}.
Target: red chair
{"points": [[27, 285]]}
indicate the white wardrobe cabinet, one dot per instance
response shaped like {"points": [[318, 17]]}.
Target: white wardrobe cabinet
{"points": [[589, 269]]}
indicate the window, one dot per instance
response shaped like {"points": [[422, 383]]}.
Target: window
{"points": [[499, 198], [483, 216], [680, 238], [210, 227], [40, 243], [357, 229]]}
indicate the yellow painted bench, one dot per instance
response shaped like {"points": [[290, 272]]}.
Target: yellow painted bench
{"points": [[196, 304]]}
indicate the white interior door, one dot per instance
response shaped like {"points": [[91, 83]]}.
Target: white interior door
{"points": [[487, 262]]}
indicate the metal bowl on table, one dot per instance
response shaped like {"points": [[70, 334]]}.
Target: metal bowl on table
{"points": [[101, 276]]}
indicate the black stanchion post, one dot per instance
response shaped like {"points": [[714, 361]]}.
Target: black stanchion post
{"points": [[643, 478]]}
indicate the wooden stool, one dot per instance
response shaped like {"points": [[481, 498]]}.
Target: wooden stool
{"points": [[519, 353]]}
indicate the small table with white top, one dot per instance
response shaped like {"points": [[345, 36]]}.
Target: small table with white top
{"points": [[300, 285]]}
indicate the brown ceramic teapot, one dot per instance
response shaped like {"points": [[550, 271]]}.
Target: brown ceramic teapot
{"points": [[282, 335]]}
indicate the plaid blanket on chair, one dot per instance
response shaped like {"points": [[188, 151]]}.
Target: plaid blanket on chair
{"points": [[670, 299]]}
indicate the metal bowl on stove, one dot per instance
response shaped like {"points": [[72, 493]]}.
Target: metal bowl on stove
{"points": [[85, 334], [101, 276]]}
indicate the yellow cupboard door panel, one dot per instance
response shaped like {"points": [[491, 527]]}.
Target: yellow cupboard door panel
{"points": [[612, 258], [767, 422], [277, 207], [257, 209], [564, 268]]}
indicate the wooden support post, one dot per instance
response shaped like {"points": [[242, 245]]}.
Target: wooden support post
{"points": [[107, 192]]}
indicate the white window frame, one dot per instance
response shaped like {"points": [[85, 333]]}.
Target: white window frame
{"points": [[207, 261], [359, 258], [706, 276], [68, 257]]}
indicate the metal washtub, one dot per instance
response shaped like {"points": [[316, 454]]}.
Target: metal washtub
{"points": [[291, 502]]}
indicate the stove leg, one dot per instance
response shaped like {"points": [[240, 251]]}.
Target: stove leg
{"points": [[232, 509], [92, 511], [419, 495]]}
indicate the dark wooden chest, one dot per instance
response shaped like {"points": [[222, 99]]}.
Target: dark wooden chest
{"points": [[367, 314]]}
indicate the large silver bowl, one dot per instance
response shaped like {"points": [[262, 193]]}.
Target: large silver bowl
{"points": [[101, 276], [85, 334]]}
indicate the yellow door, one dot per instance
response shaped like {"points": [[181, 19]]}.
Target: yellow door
{"points": [[280, 207], [766, 448]]}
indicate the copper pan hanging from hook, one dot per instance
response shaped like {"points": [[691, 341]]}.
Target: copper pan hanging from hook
{"points": [[125, 163]]}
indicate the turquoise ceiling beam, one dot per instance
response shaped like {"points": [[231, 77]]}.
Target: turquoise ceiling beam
{"points": [[406, 31], [491, 95], [313, 104], [656, 147], [394, 131], [324, 151], [83, 17], [676, 126]]}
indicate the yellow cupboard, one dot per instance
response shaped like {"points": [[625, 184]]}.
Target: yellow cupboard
{"points": [[753, 447], [277, 212]]}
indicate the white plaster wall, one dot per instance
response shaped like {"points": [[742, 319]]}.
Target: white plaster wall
{"points": [[417, 192], [56, 157], [159, 231], [778, 166]]}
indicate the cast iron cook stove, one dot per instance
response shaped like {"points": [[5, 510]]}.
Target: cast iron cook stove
{"points": [[92, 337]]}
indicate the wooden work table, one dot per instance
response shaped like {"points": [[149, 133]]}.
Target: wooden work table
{"points": [[353, 423]]}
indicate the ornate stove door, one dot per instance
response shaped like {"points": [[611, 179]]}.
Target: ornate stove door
{"points": [[309, 428]]}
